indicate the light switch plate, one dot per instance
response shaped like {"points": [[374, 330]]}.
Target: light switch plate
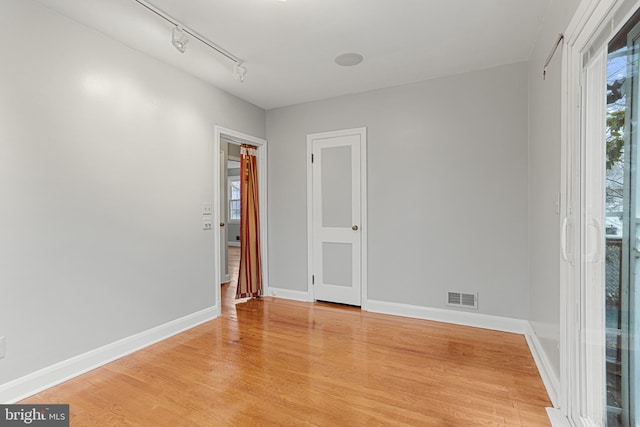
{"points": [[207, 208], [2, 347], [207, 222]]}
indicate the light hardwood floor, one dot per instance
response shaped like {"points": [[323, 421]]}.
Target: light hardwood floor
{"points": [[286, 363]]}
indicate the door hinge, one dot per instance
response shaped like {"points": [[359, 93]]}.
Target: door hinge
{"points": [[311, 157], [313, 279]]}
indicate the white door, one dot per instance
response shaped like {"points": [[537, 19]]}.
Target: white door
{"points": [[336, 230], [224, 256]]}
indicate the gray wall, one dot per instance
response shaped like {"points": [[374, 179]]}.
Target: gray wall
{"points": [[544, 182], [234, 150], [106, 156], [447, 184]]}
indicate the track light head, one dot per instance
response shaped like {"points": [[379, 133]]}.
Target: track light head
{"points": [[179, 39], [239, 71]]}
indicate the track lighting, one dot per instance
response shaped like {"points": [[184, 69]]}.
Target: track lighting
{"points": [[179, 39], [182, 34]]}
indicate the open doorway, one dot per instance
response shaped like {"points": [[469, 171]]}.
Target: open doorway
{"points": [[230, 215], [227, 144]]}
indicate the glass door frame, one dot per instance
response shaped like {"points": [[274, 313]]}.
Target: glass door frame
{"points": [[582, 343], [630, 296]]}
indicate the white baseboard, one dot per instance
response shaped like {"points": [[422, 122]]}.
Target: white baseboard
{"points": [[288, 294], [485, 321], [550, 380], [42, 379], [234, 244], [557, 419]]}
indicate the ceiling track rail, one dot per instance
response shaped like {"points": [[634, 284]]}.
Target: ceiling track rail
{"points": [[159, 12]]}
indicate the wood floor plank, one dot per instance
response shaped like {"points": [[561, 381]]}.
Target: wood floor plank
{"points": [[286, 363]]}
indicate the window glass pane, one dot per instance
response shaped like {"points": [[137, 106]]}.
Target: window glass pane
{"points": [[234, 198], [622, 229], [614, 207], [234, 210], [235, 190]]}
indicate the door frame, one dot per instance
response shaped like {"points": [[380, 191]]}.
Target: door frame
{"points": [[579, 400], [261, 146], [364, 228]]}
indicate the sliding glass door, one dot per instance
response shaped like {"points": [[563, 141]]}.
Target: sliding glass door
{"points": [[622, 227]]}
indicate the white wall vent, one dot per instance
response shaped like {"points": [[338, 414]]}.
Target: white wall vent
{"points": [[462, 299]]}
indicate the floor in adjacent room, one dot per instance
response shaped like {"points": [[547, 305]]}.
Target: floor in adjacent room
{"points": [[270, 361]]}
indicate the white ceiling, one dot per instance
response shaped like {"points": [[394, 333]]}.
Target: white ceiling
{"points": [[289, 46]]}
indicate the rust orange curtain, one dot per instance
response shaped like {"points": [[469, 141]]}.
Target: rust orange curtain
{"points": [[250, 273]]}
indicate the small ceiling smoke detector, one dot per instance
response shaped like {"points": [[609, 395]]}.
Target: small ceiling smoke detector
{"points": [[349, 59]]}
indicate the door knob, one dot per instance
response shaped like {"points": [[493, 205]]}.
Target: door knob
{"points": [[354, 228], [222, 224]]}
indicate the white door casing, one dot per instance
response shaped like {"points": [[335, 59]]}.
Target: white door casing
{"points": [[337, 217]]}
